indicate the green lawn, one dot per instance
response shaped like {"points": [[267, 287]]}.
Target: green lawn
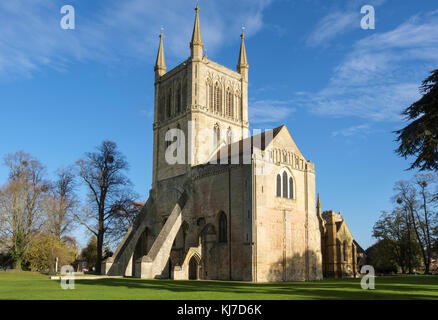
{"points": [[27, 285]]}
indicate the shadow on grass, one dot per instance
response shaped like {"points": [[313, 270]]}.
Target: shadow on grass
{"points": [[416, 287]]}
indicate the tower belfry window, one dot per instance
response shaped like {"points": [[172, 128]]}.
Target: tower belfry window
{"points": [[178, 98], [229, 104], [217, 98], [169, 104], [210, 95]]}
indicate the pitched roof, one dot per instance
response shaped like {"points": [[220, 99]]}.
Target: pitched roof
{"points": [[260, 141]]}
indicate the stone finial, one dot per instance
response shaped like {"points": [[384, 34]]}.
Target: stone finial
{"points": [[242, 65], [196, 45], [160, 64]]}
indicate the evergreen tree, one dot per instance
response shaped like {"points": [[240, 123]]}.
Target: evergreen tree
{"points": [[420, 137]]}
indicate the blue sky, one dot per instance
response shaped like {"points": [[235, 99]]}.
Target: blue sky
{"points": [[337, 87]]}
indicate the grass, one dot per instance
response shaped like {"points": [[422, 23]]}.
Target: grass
{"points": [[33, 286]]}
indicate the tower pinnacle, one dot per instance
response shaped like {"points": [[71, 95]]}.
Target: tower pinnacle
{"points": [[242, 65], [318, 207], [160, 64], [196, 45]]}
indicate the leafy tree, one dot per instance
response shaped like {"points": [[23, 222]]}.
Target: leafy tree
{"points": [[382, 256], [103, 174], [21, 209], [420, 137], [89, 253], [5, 260], [43, 251], [393, 228]]}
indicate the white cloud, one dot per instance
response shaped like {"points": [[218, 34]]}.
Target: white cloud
{"points": [[332, 25], [362, 129], [269, 111], [31, 37], [381, 75], [339, 21]]}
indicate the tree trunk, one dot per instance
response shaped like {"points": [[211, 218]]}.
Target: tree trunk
{"points": [[100, 244], [100, 235], [17, 263]]}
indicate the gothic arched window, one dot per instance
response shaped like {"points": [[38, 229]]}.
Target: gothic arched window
{"points": [[285, 184], [230, 104], [169, 104], [178, 98], [184, 94], [217, 98], [210, 96], [222, 228], [285, 180], [162, 106]]}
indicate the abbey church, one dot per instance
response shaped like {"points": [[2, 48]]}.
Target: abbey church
{"points": [[224, 204]]}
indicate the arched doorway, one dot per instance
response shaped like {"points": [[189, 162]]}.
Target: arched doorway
{"points": [[141, 248], [193, 268]]}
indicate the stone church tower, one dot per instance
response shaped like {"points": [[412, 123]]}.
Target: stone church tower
{"points": [[223, 205]]}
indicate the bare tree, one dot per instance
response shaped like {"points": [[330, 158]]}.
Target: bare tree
{"points": [[425, 216], [103, 174], [415, 200], [60, 203], [21, 203], [123, 215]]}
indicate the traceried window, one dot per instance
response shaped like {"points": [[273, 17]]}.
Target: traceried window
{"points": [[222, 228], [217, 98], [285, 184], [210, 96], [229, 112]]}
